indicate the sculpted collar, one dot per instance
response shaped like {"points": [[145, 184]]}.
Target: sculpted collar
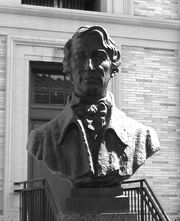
{"points": [[94, 116], [69, 117]]}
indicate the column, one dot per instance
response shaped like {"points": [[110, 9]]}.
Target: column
{"points": [[122, 7]]}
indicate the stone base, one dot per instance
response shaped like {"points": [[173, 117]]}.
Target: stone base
{"points": [[96, 192], [97, 200], [101, 217]]}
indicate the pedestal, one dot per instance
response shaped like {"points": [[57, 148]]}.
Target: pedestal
{"points": [[97, 200]]}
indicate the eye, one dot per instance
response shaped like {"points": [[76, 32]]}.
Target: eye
{"points": [[79, 56], [99, 56]]}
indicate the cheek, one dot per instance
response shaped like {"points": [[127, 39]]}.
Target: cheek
{"points": [[107, 73], [76, 78], [76, 69]]}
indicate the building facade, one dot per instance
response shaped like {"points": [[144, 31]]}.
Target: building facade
{"points": [[32, 36]]}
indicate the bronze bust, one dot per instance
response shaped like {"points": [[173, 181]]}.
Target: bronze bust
{"points": [[91, 142]]}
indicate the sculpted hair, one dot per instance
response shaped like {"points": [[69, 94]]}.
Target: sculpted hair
{"points": [[108, 43]]}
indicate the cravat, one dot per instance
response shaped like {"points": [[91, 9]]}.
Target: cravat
{"points": [[93, 116]]}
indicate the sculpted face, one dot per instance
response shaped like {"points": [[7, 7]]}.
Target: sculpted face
{"points": [[90, 67]]}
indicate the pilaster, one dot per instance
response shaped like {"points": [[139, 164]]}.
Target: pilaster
{"points": [[106, 6], [122, 7]]}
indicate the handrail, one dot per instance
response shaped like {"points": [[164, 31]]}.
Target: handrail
{"points": [[133, 181], [53, 200], [148, 197], [38, 191], [158, 211], [29, 181], [156, 200]]}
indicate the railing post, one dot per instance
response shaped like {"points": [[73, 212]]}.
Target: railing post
{"points": [[43, 205], [142, 200]]}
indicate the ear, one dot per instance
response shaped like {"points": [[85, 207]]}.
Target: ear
{"points": [[67, 70], [114, 70], [69, 76], [112, 73]]}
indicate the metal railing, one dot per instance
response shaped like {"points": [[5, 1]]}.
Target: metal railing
{"points": [[143, 201], [71, 4], [37, 202]]}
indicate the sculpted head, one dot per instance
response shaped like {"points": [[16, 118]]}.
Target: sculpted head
{"points": [[91, 59]]}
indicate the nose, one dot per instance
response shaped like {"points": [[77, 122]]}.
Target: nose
{"points": [[90, 64]]}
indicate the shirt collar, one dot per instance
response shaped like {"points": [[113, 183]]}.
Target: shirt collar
{"points": [[68, 117]]}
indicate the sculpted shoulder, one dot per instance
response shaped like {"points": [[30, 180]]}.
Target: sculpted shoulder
{"points": [[134, 133], [45, 139]]}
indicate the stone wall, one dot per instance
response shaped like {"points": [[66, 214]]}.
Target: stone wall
{"points": [[158, 8], [150, 94], [2, 112]]}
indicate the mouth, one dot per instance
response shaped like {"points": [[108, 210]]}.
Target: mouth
{"points": [[91, 79]]}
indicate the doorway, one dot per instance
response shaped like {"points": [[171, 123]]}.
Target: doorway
{"points": [[49, 89]]}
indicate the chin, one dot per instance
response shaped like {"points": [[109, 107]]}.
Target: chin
{"points": [[95, 92], [92, 92]]}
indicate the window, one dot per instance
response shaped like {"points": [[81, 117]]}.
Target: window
{"points": [[90, 5], [49, 90]]}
